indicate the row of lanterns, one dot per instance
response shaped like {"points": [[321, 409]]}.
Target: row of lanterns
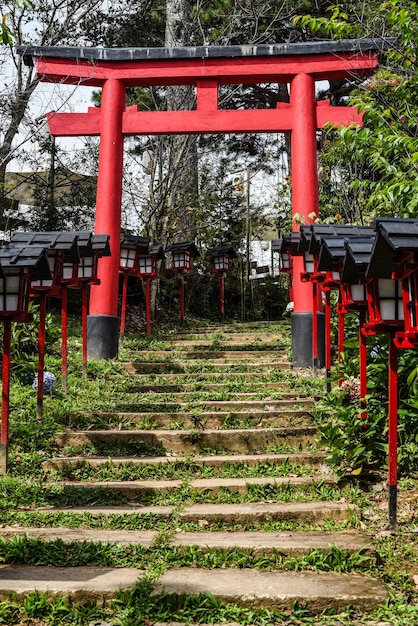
{"points": [[140, 259], [47, 264], [41, 265], [375, 271]]}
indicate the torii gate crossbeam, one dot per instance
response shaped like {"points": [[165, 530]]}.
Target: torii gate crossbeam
{"points": [[205, 68]]}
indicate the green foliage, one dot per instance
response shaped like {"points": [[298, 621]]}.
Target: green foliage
{"points": [[373, 170]]}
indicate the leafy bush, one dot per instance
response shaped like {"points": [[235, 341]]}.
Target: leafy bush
{"points": [[356, 444]]}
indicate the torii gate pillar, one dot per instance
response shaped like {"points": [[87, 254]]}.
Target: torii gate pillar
{"points": [[206, 68], [103, 320], [304, 210]]}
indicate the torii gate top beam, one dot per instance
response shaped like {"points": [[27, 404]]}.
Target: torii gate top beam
{"points": [[228, 64]]}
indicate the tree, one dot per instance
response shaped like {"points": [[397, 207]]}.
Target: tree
{"points": [[385, 150], [56, 22]]}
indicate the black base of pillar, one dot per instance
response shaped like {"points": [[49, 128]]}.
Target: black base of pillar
{"points": [[102, 337], [302, 340]]}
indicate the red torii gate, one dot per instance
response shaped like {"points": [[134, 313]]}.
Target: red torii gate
{"points": [[114, 69]]}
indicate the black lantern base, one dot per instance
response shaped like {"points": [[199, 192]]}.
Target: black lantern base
{"points": [[102, 337], [302, 340]]}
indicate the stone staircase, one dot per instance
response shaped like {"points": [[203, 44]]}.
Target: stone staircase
{"points": [[208, 451]]}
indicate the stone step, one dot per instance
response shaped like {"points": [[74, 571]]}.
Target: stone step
{"points": [[190, 387], [228, 354], [249, 406], [161, 394], [134, 488], [211, 376], [289, 544], [314, 460], [82, 584], [177, 367], [315, 512], [189, 441], [203, 419], [277, 590]]}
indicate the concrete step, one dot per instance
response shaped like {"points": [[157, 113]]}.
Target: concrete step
{"points": [[289, 544], [134, 488], [166, 404], [277, 590], [204, 419], [219, 377], [227, 354], [216, 364], [192, 441], [243, 513], [314, 460], [206, 387], [80, 583]]}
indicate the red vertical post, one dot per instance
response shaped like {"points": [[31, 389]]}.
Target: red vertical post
{"points": [[393, 432], [181, 298], [5, 398], [363, 365], [315, 326], [123, 305], [341, 339], [222, 295], [328, 338], [41, 355], [84, 310], [148, 306], [103, 319], [304, 209], [64, 352]]}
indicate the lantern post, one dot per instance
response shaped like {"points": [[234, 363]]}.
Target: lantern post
{"points": [[147, 271], [18, 265], [221, 257], [182, 255], [61, 248], [131, 246], [328, 243]]}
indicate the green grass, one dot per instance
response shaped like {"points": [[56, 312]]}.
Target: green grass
{"points": [[28, 493]]}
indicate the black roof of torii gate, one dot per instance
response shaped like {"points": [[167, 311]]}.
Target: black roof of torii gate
{"points": [[354, 46]]}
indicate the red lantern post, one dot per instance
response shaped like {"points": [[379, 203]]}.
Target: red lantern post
{"points": [[147, 271], [221, 257], [131, 247], [182, 255], [18, 266]]}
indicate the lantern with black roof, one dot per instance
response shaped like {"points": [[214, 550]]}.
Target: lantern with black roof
{"points": [[61, 249], [221, 257], [131, 247], [283, 247], [90, 253], [330, 264], [181, 257], [392, 291], [147, 271], [18, 266]]}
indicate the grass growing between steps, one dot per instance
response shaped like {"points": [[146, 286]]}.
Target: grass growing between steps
{"points": [[181, 470], [23, 550]]}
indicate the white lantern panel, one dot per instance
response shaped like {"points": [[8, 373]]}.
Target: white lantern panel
{"points": [[221, 262], [285, 260], [85, 268], [309, 263], [390, 297], [67, 271], [336, 275], [145, 265], [358, 293], [127, 257], [9, 293]]}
